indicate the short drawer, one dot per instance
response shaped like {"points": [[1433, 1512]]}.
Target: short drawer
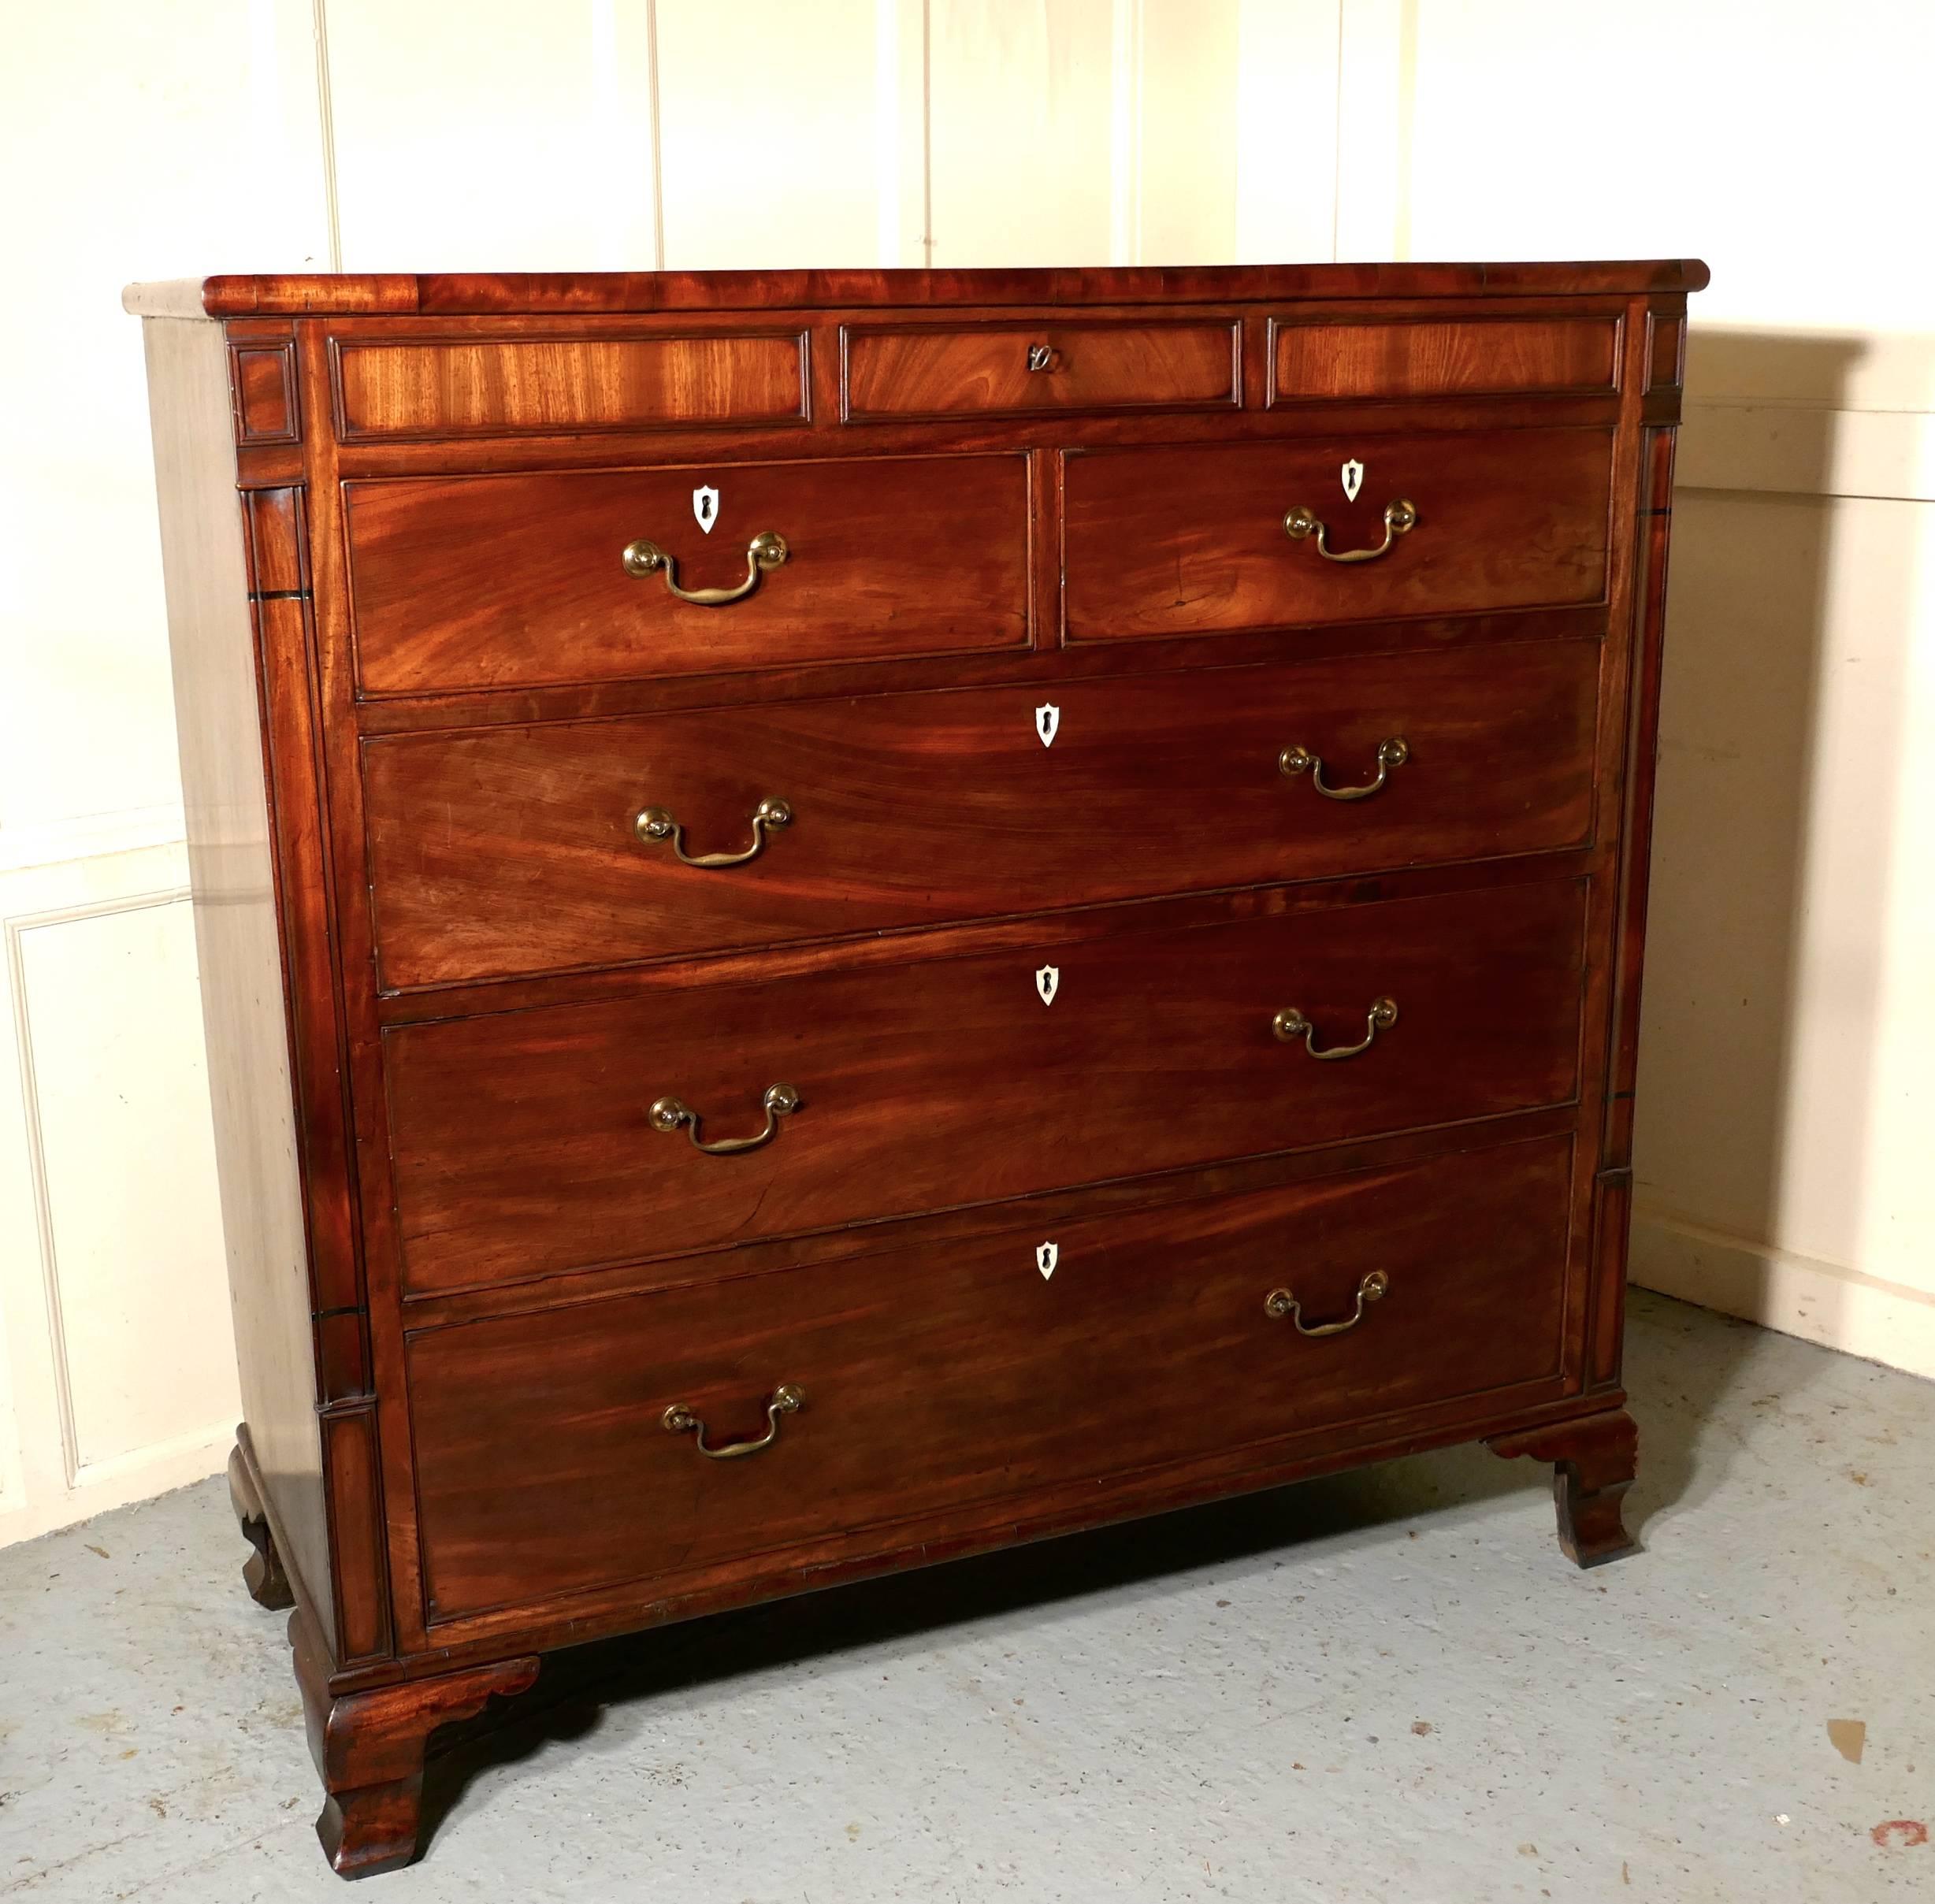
{"points": [[520, 850], [930, 1380], [1197, 539], [513, 582], [393, 388], [531, 1142], [1425, 357], [1041, 369]]}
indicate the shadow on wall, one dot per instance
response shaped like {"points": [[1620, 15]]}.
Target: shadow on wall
{"points": [[1781, 731]]}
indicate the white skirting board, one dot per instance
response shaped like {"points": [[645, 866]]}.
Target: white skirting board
{"points": [[1802, 1296]]}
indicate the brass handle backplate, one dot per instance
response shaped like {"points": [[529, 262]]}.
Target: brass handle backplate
{"points": [[1290, 1025], [655, 824], [668, 1113], [1400, 519], [767, 549], [1280, 1303], [1392, 753], [679, 1420]]}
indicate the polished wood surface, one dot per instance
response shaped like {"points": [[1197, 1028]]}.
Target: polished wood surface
{"points": [[1419, 357], [1027, 994], [1026, 369], [913, 809], [491, 581], [1191, 541], [297, 294], [949, 1081], [945, 1377], [475, 386]]}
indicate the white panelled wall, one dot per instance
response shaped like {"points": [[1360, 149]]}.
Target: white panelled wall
{"points": [[1787, 1080]]}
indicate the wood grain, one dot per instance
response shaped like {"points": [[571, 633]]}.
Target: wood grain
{"points": [[936, 1378], [919, 809], [986, 368], [1191, 541], [503, 580], [1317, 359], [948, 1082], [485, 386]]}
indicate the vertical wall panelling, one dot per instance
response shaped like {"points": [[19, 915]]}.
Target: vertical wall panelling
{"points": [[767, 137], [1286, 129], [493, 135]]}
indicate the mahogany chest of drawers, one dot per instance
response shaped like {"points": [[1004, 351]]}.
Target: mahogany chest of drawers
{"points": [[850, 916]]}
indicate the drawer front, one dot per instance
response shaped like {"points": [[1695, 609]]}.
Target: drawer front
{"points": [[914, 809], [525, 1143], [1189, 540], [491, 387], [1019, 370], [1424, 358], [544, 1466], [495, 581]]}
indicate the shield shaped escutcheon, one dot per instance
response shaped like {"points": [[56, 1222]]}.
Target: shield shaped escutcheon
{"points": [[1046, 1257], [1353, 473], [1047, 722], [705, 507], [1046, 981]]}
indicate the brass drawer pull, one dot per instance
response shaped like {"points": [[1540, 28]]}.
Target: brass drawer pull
{"points": [[1400, 519], [668, 1113], [655, 823], [1392, 753], [786, 1399], [767, 549], [1041, 356], [1280, 1303], [1290, 1025]]}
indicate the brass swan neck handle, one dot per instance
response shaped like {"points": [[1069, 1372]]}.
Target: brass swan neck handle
{"points": [[1281, 1303], [767, 549], [679, 1420], [1400, 519], [656, 824], [1392, 752], [670, 1114], [1290, 1025]]}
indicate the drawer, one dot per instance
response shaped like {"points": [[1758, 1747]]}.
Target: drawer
{"points": [[1041, 369], [526, 1144], [1423, 357], [1191, 540], [497, 386], [915, 809], [544, 1465], [503, 581]]}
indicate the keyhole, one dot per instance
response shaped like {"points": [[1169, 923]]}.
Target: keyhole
{"points": [[705, 508]]}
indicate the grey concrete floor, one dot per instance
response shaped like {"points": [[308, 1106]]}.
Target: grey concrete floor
{"points": [[1385, 1685]]}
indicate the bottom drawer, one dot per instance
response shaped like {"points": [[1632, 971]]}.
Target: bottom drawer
{"points": [[934, 1377]]}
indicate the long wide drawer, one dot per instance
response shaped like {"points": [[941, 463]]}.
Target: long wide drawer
{"points": [[525, 1143], [930, 1379], [520, 850], [498, 582], [1193, 540]]}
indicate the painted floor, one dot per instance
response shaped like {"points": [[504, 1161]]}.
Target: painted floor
{"points": [[1384, 1686]]}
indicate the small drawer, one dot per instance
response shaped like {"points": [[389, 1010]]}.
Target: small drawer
{"points": [[388, 389], [917, 809], [1312, 359], [1215, 539], [516, 581], [1040, 369], [532, 1142], [940, 1379]]}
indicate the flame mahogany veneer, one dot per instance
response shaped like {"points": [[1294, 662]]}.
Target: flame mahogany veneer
{"points": [[1158, 1018]]}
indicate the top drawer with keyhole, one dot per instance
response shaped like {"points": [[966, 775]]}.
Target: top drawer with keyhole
{"points": [[1047, 368]]}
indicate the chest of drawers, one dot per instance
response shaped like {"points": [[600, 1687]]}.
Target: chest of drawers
{"points": [[847, 918]]}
